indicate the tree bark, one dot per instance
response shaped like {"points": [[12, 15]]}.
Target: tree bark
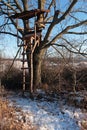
{"points": [[37, 63], [38, 56]]}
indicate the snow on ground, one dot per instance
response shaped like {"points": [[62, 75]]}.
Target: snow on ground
{"points": [[48, 115]]}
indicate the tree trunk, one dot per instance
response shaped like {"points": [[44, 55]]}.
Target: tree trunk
{"points": [[37, 63], [38, 56]]}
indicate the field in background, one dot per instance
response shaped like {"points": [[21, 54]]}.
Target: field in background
{"points": [[57, 76], [60, 81]]}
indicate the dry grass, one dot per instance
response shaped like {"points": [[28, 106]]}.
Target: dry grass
{"points": [[12, 118], [84, 122], [84, 125]]}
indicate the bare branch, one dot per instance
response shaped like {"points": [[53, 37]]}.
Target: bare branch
{"points": [[82, 44], [69, 43], [3, 25], [57, 20], [77, 33], [66, 30], [25, 5], [52, 2], [8, 5], [12, 62], [68, 10], [51, 25], [80, 11], [75, 52], [59, 53], [75, 18], [9, 33], [18, 6]]}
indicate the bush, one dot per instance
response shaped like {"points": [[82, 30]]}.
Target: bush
{"points": [[64, 80], [13, 80], [82, 79], [57, 78]]}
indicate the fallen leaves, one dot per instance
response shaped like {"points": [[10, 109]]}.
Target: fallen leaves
{"points": [[12, 118]]}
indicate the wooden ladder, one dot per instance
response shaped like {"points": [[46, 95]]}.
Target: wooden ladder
{"points": [[30, 68]]}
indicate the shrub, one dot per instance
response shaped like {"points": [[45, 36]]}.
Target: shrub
{"points": [[63, 80], [12, 80]]}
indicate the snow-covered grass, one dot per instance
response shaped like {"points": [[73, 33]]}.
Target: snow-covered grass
{"points": [[12, 117], [46, 115]]}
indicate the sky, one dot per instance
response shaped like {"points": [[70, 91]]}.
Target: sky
{"points": [[8, 44]]}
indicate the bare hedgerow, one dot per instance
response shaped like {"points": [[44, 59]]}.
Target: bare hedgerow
{"points": [[65, 79]]}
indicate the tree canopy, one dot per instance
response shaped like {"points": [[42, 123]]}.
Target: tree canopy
{"points": [[67, 21], [65, 26]]}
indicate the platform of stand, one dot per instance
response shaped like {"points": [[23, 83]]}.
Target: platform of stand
{"points": [[29, 14]]}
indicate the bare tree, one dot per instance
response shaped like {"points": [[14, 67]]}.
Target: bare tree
{"points": [[67, 21]]}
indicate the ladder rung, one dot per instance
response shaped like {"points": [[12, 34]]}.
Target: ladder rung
{"points": [[30, 44], [25, 44], [21, 45], [25, 68], [24, 60], [24, 53], [25, 82], [20, 29]]}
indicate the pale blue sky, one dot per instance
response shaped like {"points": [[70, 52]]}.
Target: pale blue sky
{"points": [[10, 43]]}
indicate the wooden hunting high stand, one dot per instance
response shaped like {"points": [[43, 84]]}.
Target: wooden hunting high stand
{"points": [[31, 39]]}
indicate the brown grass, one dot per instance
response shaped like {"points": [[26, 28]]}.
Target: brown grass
{"points": [[10, 118], [84, 125]]}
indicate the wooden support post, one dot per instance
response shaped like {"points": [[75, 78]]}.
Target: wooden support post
{"points": [[23, 80], [31, 61], [31, 73], [23, 70], [0, 82], [31, 68]]}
